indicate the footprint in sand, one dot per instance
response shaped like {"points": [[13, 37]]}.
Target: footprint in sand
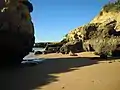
{"points": [[96, 81], [110, 62], [63, 87]]}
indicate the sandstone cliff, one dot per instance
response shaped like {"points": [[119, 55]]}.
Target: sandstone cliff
{"points": [[102, 34], [109, 12]]}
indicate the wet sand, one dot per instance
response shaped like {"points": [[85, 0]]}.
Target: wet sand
{"points": [[63, 72]]}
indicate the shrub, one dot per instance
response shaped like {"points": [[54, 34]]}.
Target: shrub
{"points": [[114, 6]]}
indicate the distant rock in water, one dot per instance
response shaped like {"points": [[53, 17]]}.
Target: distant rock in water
{"points": [[16, 30], [102, 34]]}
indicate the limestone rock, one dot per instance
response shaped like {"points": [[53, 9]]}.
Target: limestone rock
{"points": [[73, 47], [102, 33]]}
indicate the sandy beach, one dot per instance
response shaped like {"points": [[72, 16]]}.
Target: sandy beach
{"points": [[63, 72]]}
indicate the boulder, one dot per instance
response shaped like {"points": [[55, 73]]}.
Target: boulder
{"points": [[73, 46], [16, 30]]}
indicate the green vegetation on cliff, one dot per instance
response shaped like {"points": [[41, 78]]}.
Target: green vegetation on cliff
{"points": [[114, 7]]}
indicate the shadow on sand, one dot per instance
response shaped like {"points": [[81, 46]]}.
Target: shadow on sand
{"points": [[29, 78]]}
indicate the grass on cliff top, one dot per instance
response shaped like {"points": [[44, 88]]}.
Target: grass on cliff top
{"points": [[112, 7]]}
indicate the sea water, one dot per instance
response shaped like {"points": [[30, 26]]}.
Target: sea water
{"points": [[31, 54]]}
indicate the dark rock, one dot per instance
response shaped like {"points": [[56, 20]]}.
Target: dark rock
{"points": [[28, 4], [73, 54], [38, 52], [87, 46], [52, 48], [116, 53], [89, 30], [16, 32], [73, 46], [64, 49], [110, 62], [103, 41], [103, 56]]}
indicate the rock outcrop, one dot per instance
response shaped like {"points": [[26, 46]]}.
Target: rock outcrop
{"points": [[102, 34], [72, 46], [16, 30]]}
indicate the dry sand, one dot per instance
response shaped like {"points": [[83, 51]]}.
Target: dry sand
{"points": [[64, 72]]}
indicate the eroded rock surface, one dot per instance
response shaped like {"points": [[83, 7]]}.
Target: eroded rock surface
{"points": [[16, 30], [102, 34]]}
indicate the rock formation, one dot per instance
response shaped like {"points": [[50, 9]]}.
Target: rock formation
{"points": [[102, 34], [16, 30], [72, 46]]}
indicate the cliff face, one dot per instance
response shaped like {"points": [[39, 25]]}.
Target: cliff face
{"points": [[109, 12], [104, 16], [102, 34]]}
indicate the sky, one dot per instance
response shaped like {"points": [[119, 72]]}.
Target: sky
{"points": [[54, 18]]}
